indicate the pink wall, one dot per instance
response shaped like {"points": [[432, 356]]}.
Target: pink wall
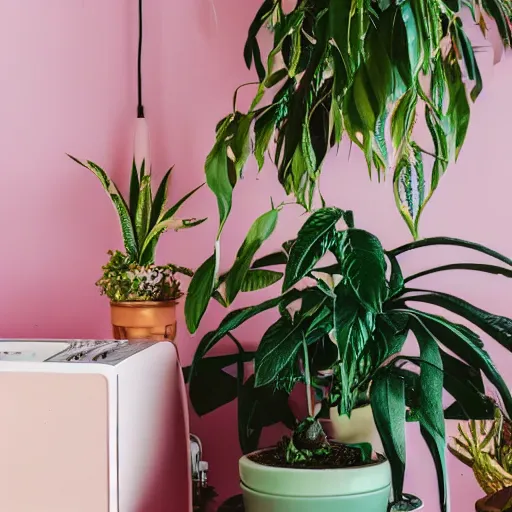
{"points": [[68, 85]]}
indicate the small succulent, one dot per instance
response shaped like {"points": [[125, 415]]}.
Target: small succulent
{"points": [[123, 280]]}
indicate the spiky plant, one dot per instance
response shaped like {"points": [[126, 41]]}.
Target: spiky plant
{"points": [[143, 219], [364, 69], [486, 447]]}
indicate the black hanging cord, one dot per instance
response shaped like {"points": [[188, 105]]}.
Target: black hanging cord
{"points": [[140, 107]]}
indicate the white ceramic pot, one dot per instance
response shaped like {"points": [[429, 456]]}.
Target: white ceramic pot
{"points": [[358, 489]]}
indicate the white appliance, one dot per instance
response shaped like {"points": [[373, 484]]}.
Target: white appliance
{"points": [[92, 426]]}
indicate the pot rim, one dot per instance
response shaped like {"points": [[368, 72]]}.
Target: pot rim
{"points": [[144, 303], [314, 482]]}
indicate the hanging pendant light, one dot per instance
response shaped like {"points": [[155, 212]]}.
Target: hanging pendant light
{"points": [[141, 142]]}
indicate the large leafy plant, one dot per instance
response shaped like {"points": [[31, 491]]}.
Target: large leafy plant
{"points": [[133, 275], [364, 69], [354, 316]]}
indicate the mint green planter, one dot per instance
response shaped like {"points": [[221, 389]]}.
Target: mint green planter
{"points": [[268, 489]]}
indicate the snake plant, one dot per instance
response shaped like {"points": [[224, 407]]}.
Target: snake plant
{"points": [[354, 315], [366, 69], [143, 219]]}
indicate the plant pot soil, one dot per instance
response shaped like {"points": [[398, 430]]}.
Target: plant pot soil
{"points": [[144, 320], [340, 456]]}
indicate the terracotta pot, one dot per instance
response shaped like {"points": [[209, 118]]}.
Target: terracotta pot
{"points": [[500, 501], [144, 320]]}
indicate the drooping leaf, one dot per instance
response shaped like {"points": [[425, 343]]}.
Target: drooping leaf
{"points": [[240, 143], [199, 292], [409, 187], [468, 346], [430, 413], [263, 129], [458, 108], [402, 120], [260, 231], [387, 395], [252, 49], [468, 55], [127, 228], [218, 176], [313, 241], [364, 266], [414, 38], [477, 267], [496, 326], [441, 240]]}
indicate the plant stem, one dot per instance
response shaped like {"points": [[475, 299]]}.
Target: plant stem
{"points": [[307, 376]]}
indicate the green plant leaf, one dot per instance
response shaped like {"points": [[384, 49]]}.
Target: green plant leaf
{"points": [[402, 119], [313, 241], [260, 231], [466, 345], [235, 319], [252, 49], [458, 108], [387, 395], [414, 37], [276, 77], [127, 229], [441, 240], [259, 279], [477, 267], [134, 191], [353, 327], [409, 188], [217, 178], [160, 199], [264, 127], [498, 327], [199, 292], [276, 258], [276, 350], [364, 266], [466, 50], [396, 279], [430, 413], [210, 374], [168, 221], [143, 212], [240, 144]]}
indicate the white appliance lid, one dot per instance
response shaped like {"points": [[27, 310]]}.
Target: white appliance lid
{"points": [[30, 350]]}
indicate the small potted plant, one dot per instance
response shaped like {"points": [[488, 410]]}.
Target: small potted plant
{"points": [[368, 314], [486, 447], [142, 294]]}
